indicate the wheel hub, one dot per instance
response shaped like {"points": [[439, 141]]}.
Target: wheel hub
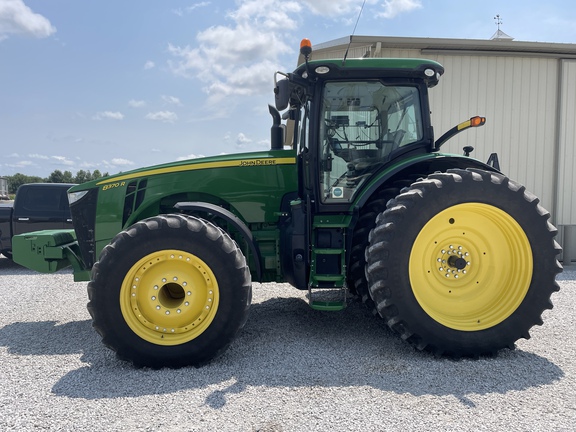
{"points": [[454, 261]]}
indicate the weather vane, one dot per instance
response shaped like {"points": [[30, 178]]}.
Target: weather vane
{"points": [[498, 21]]}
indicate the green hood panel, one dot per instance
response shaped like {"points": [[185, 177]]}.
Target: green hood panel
{"points": [[251, 185]]}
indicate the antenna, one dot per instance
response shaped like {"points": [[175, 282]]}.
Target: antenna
{"points": [[353, 32]]}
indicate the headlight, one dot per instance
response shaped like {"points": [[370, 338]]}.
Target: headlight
{"points": [[75, 196]]}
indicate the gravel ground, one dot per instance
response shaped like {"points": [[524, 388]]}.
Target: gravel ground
{"points": [[291, 369]]}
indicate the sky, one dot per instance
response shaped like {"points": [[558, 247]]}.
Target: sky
{"points": [[118, 85]]}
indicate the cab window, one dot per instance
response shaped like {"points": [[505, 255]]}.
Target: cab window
{"points": [[362, 124]]}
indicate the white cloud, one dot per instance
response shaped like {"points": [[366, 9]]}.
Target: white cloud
{"points": [[163, 116], [264, 143], [149, 65], [180, 12], [88, 165], [17, 18], [172, 100], [239, 58], [21, 164], [267, 14], [251, 47], [242, 140], [108, 115], [121, 162], [190, 156], [198, 5], [333, 8], [396, 7], [246, 81], [38, 156], [63, 160], [136, 103], [114, 164]]}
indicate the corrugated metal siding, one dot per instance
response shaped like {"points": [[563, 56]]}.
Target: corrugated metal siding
{"points": [[518, 97], [566, 192]]}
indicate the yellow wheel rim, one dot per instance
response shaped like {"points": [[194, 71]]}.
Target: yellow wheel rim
{"points": [[470, 266], [169, 297]]}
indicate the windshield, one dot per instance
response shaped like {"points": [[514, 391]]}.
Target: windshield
{"points": [[362, 123]]}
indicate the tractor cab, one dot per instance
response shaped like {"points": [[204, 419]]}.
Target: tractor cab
{"points": [[349, 122], [350, 118]]}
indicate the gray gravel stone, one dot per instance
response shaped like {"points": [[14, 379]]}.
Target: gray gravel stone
{"points": [[291, 369]]}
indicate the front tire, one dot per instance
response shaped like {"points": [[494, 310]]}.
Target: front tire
{"points": [[170, 291], [463, 263]]}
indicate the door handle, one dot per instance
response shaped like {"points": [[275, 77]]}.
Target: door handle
{"points": [[23, 219]]}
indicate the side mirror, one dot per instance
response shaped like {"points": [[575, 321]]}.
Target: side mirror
{"points": [[282, 93]]}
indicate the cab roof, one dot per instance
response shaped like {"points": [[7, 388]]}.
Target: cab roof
{"points": [[426, 70]]}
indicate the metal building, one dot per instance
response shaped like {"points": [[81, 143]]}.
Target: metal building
{"points": [[527, 92]]}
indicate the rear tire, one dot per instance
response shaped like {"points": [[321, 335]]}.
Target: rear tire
{"points": [[357, 282], [463, 263], [170, 291]]}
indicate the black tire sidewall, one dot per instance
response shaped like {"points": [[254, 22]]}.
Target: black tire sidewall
{"points": [[128, 248], [366, 222], [494, 190]]}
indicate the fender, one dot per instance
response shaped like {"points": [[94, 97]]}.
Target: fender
{"points": [[233, 220], [423, 164]]}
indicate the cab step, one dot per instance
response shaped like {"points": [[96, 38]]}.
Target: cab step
{"points": [[327, 299]]}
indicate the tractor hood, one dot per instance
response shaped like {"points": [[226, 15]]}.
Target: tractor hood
{"points": [[250, 185], [267, 158]]}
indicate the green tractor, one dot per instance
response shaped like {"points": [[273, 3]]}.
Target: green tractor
{"points": [[353, 196]]}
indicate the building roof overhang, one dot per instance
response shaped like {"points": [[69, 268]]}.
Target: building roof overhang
{"points": [[453, 46]]}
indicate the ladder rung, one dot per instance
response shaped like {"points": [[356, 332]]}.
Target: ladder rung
{"points": [[327, 251], [329, 278], [327, 306]]}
